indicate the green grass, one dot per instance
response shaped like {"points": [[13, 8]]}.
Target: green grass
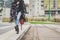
{"points": [[41, 22]]}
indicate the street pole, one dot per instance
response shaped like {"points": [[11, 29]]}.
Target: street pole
{"points": [[49, 12]]}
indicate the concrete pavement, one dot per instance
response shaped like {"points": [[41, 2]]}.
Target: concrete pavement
{"points": [[5, 27], [55, 27], [37, 32], [41, 32], [11, 35]]}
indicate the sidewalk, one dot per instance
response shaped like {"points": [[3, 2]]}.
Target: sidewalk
{"points": [[11, 35], [5, 27], [54, 27]]}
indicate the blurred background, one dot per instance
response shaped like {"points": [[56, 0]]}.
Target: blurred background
{"points": [[38, 10]]}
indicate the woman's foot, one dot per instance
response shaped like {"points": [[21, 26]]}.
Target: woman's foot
{"points": [[17, 29]]}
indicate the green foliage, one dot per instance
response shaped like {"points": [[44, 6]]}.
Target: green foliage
{"points": [[6, 19], [41, 22]]}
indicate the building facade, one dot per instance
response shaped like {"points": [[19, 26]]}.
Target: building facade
{"points": [[5, 6], [54, 7], [41, 7], [35, 7]]}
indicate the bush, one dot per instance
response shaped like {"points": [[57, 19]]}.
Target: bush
{"points": [[38, 19], [6, 19], [55, 20]]}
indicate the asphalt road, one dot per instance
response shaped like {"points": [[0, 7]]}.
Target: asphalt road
{"points": [[42, 32]]}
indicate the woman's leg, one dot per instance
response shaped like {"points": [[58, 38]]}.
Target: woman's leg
{"points": [[17, 22], [18, 18]]}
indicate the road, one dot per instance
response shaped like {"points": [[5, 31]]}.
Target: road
{"points": [[42, 32]]}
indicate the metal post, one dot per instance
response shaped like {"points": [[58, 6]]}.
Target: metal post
{"points": [[49, 12]]}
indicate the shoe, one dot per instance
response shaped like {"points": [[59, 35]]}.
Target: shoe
{"points": [[17, 33], [17, 29]]}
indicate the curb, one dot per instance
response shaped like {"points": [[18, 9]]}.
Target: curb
{"points": [[19, 38], [11, 35]]}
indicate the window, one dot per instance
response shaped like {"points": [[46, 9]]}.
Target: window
{"points": [[37, 3], [8, 3], [42, 5], [32, 5], [38, 0], [1, 7], [59, 12], [37, 7], [37, 11], [1, 4], [54, 4], [42, 1], [51, 12]]}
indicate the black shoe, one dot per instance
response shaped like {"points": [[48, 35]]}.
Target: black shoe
{"points": [[17, 33], [17, 29]]}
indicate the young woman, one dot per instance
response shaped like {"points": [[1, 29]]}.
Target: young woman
{"points": [[21, 9]]}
